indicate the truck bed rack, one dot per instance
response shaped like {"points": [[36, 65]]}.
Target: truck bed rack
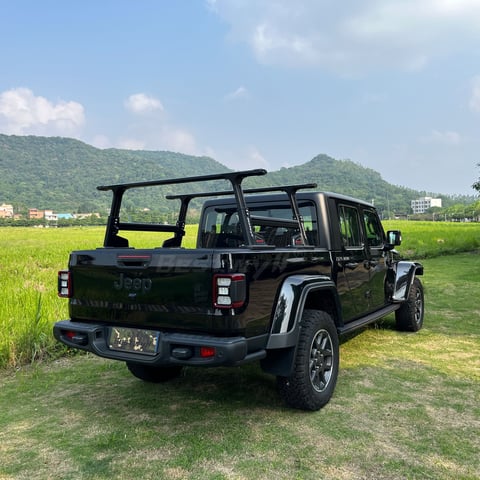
{"points": [[114, 225]]}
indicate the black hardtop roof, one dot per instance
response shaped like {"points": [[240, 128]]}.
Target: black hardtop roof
{"points": [[308, 195]]}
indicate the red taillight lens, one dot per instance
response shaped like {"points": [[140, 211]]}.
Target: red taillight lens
{"points": [[229, 290], [207, 352], [64, 284], [75, 337]]}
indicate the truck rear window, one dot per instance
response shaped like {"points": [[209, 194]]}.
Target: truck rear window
{"points": [[221, 227]]}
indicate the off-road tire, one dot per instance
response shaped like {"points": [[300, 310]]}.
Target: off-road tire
{"points": [[315, 368], [409, 317], [151, 374]]}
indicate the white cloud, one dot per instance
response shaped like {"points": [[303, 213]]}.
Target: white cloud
{"points": [[131, 144], [256, 159], [101, 141], [352, 36], [155, 132], [475, 96], [23, 113], [444, 138], [179, 140], [148, 136], [240, 92], [248, 159], [141, 103], [275, 45]]}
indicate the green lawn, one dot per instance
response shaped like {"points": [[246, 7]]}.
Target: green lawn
{"points": [[431, 239], [407, 406]]}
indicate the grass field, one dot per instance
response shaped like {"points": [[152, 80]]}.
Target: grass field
{"points": [[31, 257], [29, 261], [428, 239], [406, 406]]}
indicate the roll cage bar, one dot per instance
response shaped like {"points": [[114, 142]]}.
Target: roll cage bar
{"points": [[112, 239]]}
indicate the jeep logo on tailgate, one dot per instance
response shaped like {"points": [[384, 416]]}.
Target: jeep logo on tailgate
{"points": [[143, 285]]}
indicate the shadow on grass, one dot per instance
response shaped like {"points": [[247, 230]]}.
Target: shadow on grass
{"points": [[224, 388]]}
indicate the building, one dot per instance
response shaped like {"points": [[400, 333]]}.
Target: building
{"points": [[6, 211], [50, 216], [65, 216], [35, 214], [421, 205]]}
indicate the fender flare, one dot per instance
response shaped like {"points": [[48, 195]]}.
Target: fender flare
{"points": [[287, 315], [404, 276]]}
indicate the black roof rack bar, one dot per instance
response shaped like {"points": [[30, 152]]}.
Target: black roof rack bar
{"points": [[235, 178], [231, 176], [291, 192], [284, 188]]}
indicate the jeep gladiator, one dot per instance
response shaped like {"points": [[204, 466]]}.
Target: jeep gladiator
{"points": [[277, 275]]}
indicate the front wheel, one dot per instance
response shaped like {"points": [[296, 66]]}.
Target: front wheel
{"points": [[151, 374], [315, 369], [409, 317]]}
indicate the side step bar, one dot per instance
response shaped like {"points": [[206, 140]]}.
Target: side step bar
{"points": [[372, 317]]}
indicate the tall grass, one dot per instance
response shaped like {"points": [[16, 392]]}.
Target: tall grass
{"points": [[29, 260], [31, 257], [433, 239]]}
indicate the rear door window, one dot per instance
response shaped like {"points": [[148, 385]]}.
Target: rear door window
{"points": [[350, 230]]}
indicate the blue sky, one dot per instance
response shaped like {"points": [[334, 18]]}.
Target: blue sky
{"points": [[393, 85]]}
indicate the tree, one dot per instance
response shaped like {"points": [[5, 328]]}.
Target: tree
{"points": [[476, 185]]}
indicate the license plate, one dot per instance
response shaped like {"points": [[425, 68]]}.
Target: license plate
{"points": [[135, 340]]}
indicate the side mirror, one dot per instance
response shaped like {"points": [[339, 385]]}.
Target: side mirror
{"points": [[394, 237]]}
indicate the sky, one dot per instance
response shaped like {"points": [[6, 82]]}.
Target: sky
{"points": [[393, 85]]}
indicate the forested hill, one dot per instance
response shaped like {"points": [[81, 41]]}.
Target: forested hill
{"points": [[349, 178], [62, 174]]}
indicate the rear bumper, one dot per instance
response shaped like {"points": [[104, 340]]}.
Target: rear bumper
{"points": [[173, 348]]}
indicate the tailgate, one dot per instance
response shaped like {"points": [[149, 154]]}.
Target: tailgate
{"points": [[152, 288]]}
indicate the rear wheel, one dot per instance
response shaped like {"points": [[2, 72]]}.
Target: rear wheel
{"points": [[409, 317], [315, 369], [151, 374]]}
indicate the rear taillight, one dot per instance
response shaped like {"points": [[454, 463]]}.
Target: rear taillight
{"points": [[75, 337], [64, 284], [229, 290]]}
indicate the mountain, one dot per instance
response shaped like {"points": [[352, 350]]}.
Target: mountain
{"points": [[62, 174], [349, 178]]}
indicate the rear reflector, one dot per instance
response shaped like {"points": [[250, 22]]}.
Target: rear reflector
{"points": [[207, 352]]}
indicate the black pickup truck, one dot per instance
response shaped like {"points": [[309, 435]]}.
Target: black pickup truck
{"points": [[277, 275]]}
